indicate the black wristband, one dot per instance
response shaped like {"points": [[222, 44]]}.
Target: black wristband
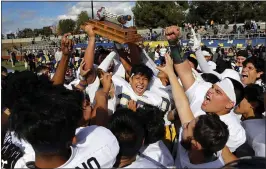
{"points": [[176, 52]]}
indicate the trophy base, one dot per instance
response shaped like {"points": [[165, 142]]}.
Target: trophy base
{"points": [[115, 31]]}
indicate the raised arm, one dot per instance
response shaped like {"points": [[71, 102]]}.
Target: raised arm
{"points": [[181, 64], [135, 53], [126, 64], [196, 40], [100, 111], [179, 96], [123, 57], [82, 76], [66, 46], [89, 52]]}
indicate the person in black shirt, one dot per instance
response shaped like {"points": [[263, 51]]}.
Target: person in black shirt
{"points": [[31, 60]]}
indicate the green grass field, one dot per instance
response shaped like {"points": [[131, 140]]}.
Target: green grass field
{"points": [[19, 65]]}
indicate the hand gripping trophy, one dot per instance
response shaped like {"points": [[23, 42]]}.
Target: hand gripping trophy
{"points": [[114, 31]]}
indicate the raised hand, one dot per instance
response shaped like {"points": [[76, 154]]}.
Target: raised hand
{"points": [[66, 44], [83, 73], [132, 105], [88, 29], [195, 40], [172, 33], [106, 80]]}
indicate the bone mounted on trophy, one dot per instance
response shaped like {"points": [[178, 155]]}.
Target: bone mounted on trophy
{"points": [[114, 31]]}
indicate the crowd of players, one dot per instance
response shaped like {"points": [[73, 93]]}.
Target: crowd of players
{"points": [[119, 109]]}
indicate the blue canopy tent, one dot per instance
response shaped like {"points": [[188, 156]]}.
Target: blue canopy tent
{"points": [[229, 43]]}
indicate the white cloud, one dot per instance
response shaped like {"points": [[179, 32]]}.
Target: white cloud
{"points": [[74, 17], [119, 8], [9, 25]]}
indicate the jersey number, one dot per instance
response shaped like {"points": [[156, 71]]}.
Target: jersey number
{"points": [[90, 163]]}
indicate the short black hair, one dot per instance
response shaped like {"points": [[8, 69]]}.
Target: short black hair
{"points": [[152, 118], [254, 93], [209, 77], [143, 70], [40, 68], [211, 133], [257, 62], [100, 51], [243, 53], [3, 69], [129, 131], [47, 118], [19, 84], [239, 90], [204, 47], [222, 65]]}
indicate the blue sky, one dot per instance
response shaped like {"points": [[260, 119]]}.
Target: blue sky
{"points": [[20, 15]]}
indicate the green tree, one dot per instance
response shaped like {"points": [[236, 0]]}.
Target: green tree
{"points": [[20, 34], [47, 31], [220, 11], [158, 14], [65, 26], [25, 33], [11, 36], [37, 32], [82, 18], [2, 36], [28, 32]]}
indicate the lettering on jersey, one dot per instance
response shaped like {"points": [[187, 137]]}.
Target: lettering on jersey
{"points": [[124, 99], [10, 153], [165, 106], [91, 162]]}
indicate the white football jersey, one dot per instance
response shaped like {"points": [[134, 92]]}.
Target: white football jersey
{"points": [[144, 162], [15, 153], [119, 70], [124, 93], [255, 131], [149, 62], [165, 92], [90, 89], [96, 147], [196, 94], [158, 152]]}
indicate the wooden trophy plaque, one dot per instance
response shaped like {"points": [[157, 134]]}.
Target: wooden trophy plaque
{"points": [[114, 31]]}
